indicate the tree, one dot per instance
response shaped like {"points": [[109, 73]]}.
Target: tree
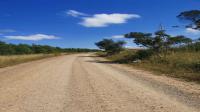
{"points": [[193, 16], [23, 49], [158, 42], [38, 49], [6, 49], [110, 46], [179, 39], [49, 49]]}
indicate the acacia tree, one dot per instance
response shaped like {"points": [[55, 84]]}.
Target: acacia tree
{"points": [[110, 46], [193, 16], [159, 42]]}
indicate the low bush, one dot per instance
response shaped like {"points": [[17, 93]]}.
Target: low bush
{"points": [[143, 54], [125, 56]]}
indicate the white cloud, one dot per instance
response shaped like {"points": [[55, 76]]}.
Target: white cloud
{"points": [[74, 13], [192, 31], [118, 36], [103, 20], [34, 37]]}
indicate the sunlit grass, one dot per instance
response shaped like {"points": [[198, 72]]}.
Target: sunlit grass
{"points": [[16, 59]]}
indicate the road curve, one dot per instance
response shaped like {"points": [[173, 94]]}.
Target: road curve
{"points": [[84, 83]]}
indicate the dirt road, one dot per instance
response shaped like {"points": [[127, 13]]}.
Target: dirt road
{"points": [[83, 83]]}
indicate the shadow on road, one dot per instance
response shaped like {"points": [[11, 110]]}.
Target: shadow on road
{"points": [[98, 61], [89, 56]]}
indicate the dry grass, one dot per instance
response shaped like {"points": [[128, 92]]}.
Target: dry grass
{"points": [[185, 65], [180, 64], [16, 59]]}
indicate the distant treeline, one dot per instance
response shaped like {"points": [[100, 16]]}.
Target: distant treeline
{"points": [[13, 49]]}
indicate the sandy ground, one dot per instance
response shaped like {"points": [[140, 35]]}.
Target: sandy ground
{"points": [[83, 83]]}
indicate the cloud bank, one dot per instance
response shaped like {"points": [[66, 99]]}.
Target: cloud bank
{"points": [[35, 37]]}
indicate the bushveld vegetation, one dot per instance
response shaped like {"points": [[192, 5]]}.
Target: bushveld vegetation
{"points": [[11, 54], [175, 56], [12, 49]]}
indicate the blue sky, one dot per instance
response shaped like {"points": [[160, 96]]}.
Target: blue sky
{"points": [[81, 23]]}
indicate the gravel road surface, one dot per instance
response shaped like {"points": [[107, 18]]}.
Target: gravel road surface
{"points": [[85, 83]]}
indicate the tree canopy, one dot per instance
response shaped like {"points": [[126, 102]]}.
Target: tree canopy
{"points": [[110, 46], [158, 42], [193, 16]]}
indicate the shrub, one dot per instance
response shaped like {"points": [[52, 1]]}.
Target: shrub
{"points": [[143, 54]]}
